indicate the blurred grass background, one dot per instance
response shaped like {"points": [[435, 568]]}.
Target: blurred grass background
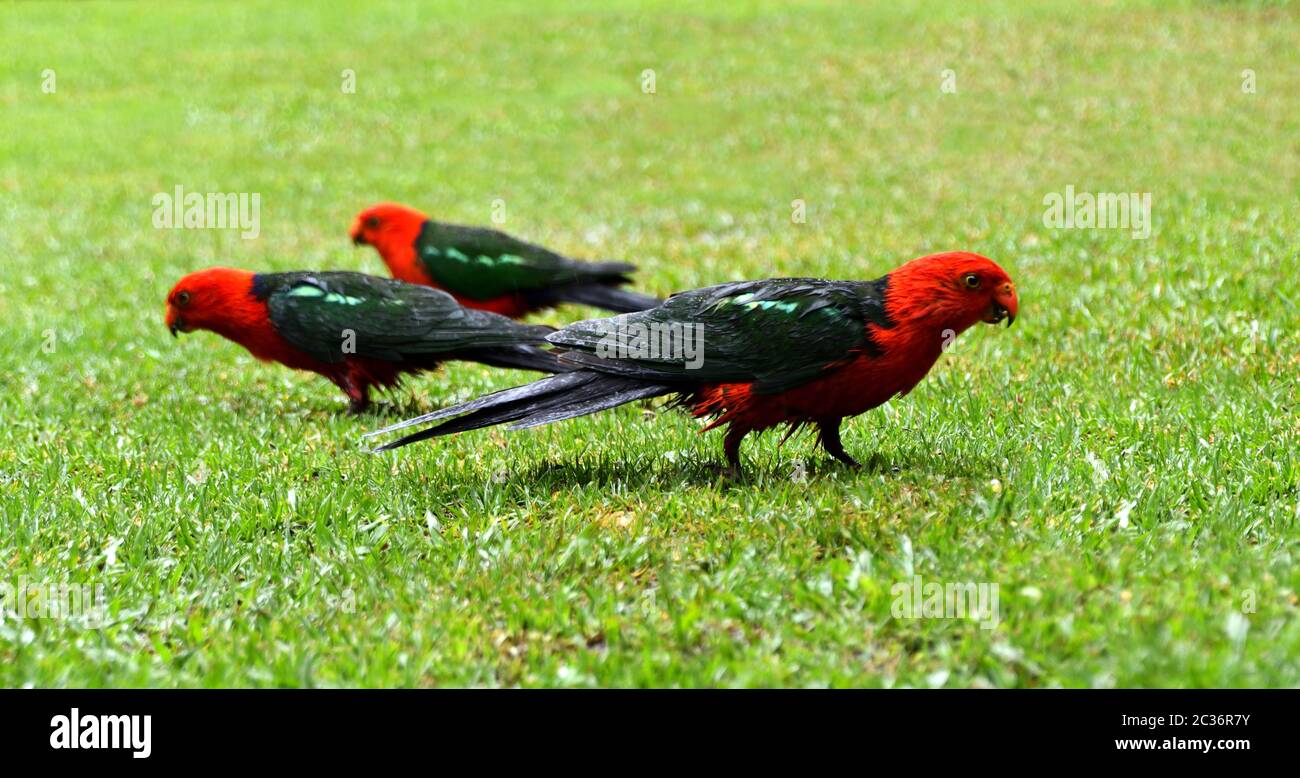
{"points": [[1122, 462]]}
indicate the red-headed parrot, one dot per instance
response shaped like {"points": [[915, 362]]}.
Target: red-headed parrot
{"points": [[356, 330], [488, 269], [796, 351]]}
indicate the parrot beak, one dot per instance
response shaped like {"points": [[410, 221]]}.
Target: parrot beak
{"points": [[175, 323], [1005, 305], [357, 238]]}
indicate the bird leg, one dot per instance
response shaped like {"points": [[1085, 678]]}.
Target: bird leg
{"points": [[731, 445], [829, 435], [358, 393]]}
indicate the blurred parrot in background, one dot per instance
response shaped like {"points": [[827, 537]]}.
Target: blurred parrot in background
{"points": [[356, 330], [489, 270], [794, 351]]}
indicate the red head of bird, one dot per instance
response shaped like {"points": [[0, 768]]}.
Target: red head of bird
{"points": [[392, 229], [953, 290], [222, 300]]}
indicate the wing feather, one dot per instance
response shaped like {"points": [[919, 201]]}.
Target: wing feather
{"points": [[484, 263], [776, 334], [337, 314]]}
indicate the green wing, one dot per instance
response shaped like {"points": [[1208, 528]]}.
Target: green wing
{"points": [[777, 334], [483, 264], [332, 316]]}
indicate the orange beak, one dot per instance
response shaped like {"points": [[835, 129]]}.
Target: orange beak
{"points": [[357, 238], [1005, 305]]}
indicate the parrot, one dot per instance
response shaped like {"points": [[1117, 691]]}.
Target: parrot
{"points": [[793, 351], [356, 330], [488, 269]]}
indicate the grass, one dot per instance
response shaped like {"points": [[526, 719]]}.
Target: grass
{"points": [[1122, 463]]}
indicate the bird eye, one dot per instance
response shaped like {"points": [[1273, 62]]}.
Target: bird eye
{"points": [[182, 298], [372, 222], [972, 281]]}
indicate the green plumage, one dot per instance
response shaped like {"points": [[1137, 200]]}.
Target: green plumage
{"points": [[333, 315], [778, 333], [484, 264]]}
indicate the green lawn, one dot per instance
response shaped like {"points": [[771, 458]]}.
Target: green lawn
{"points": [[1122, 463]]}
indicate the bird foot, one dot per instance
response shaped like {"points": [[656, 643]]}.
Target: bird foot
{"points": [[847, 461]]}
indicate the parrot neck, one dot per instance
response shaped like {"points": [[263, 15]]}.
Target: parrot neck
{"points": [[926, 320], [238, 314], [926, 312], [397, 246]]}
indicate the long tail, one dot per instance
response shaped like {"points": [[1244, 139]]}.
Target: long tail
{"points": [[563, 396], [522, 357], [611, 298]]}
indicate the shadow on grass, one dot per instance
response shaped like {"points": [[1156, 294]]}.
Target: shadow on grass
{"points": [[657, 475], [379, 413]]}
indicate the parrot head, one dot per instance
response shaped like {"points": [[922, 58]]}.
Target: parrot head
{"points": [[393, 230], [212, 299], [387, 222], [958, 288]]}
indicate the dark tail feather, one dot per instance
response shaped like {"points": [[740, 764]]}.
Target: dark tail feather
{"points": [[493, 399], [606, 271], [522, 357], [611, 298], [551, 399], [633, 389]]}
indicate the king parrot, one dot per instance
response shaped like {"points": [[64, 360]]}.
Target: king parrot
{"points": [[356, 330], [488, 269], [796, 351]]}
